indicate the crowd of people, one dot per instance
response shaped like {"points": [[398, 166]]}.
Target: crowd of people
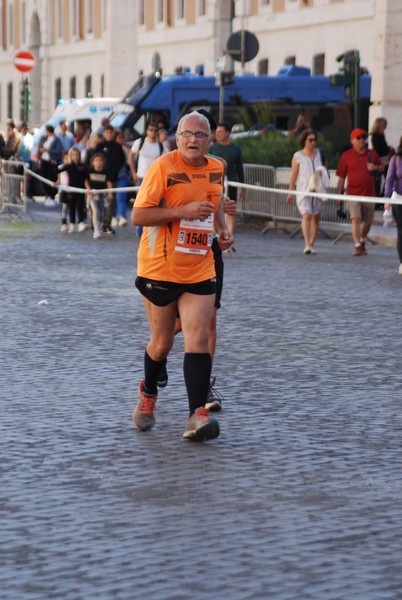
{"points": [[82, 161]]}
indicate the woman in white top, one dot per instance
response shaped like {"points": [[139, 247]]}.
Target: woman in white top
{"points": [[309, 174]]}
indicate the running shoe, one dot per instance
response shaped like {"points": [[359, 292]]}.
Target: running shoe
{"points": [[71, 228], [163, 378], [122, 222], [201, 427], [143, 415], [64, 228], [214, 400]]}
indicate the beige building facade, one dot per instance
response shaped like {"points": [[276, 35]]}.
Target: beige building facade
{"points": [[101, 46]]}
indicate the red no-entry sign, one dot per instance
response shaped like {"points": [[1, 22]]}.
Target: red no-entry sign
{"points": [[24, 61]]}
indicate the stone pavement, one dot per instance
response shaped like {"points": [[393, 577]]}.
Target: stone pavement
{"points": [[300, 498]]}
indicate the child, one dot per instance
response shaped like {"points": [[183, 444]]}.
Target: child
{"points": [[97, 179], [76, 172]]}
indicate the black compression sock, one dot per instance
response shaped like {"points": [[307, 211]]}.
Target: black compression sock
{"points": [[152, 368], [197, 371]]}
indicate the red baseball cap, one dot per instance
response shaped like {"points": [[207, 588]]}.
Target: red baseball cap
{"points": [[357, 133]]}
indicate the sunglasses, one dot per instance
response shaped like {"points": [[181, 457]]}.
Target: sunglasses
{"points": [[361, 137]]}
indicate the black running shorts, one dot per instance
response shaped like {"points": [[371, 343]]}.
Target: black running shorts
{"points": [[163, 293]]}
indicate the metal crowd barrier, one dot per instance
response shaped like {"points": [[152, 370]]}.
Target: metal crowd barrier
{"points": [[274, 207], [12, 188]]}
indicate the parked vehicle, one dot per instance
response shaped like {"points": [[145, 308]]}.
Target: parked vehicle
{"points": [[167, 98]]}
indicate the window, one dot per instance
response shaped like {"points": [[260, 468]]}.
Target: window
{"points": [[57, 90], [88, 86], [319, 64], [262, 68], [104, 14], [102, 86], [160, 11], [23, 23], [202, 8], [59, 19], [73, 87], [74, 18], [141, 12], [10, 100], [11, 24], [290, 60], [90, 16], [180, 9]]}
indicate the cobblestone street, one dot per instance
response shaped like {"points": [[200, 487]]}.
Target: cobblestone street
{"points": [[300, 498]]}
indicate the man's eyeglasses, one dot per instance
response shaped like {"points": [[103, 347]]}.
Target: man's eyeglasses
{"points": [[311, 139], [152, 129], [199, 135], [361, 137]]}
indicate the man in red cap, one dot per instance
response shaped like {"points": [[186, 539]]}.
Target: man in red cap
{"points": [[359, 165]]}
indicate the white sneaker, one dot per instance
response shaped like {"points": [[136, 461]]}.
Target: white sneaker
{"points": [[71, 228], [82, 227], [307, 250], [64, 228], [114, 224], [97, 234], [400, 269], [49, 202], [122, 222]]}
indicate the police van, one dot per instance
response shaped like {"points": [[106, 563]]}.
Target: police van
{"points": [[166, 98]]}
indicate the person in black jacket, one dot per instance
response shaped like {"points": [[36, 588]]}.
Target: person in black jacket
{"points": [[50, 153], [114, 160]]}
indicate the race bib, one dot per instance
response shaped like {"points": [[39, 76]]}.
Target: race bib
{"points": [[195, 237]]}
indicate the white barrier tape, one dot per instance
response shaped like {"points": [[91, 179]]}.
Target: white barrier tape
{"points": [[246, 186], [68, 188], [323, 196]]}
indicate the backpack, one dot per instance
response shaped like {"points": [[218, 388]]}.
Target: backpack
{"points": [[137, 154]]}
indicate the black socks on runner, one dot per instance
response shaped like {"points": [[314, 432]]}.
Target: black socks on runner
{"points": [[197, 372], [152, 368]]}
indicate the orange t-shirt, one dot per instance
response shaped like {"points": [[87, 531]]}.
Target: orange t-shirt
{"points": [[179, 251]]}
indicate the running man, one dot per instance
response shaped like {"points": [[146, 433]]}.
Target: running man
{"points": [[179, 206]]}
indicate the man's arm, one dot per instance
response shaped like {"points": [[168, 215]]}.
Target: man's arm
{"points": [[225, 239], [341, 185]]}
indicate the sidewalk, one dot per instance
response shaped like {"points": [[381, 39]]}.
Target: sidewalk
{"points": [[299, 497]]}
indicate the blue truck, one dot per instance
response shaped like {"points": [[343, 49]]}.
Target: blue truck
{"points": [[293, 91]]}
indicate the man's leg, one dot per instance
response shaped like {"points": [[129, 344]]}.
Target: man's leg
{"points": [[161, 321], [196, 313], [356, 230]]}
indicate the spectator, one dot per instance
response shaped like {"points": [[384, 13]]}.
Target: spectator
{"points": [[96, 180], [163, 138], [27, 143], [114, 160], [13, 141], [123, 180], [76, 202], [66, 137], [50, 153], [379, 144], [303, 122], [2, 144], [143, 153], [232, 155], [393, 189], [359, 165], [308, 164]]}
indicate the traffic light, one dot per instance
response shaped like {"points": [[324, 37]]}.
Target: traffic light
{"points": [[349, 77], [25, 100]]}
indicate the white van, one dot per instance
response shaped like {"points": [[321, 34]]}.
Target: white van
{"points": [[84, 113]]}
